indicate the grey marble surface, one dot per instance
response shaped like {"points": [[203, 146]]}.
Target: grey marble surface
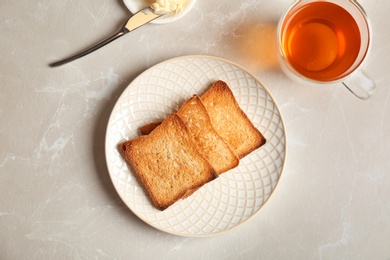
{"points": [[57, 200]]}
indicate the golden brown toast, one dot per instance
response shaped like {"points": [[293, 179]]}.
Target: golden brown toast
{"points": [[148, 128], [167, 162], [219, 154], [230, 121]]}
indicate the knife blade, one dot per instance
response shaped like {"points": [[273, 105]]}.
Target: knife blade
{"points": [[135, 21], [142, 17]]}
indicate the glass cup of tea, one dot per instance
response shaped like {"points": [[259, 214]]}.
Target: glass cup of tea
{"points": [[326, 42]]}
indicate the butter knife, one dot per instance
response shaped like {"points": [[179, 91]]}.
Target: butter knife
{"points": [[137, 20]]}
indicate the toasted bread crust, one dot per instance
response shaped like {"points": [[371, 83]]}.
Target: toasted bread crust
{"points": [[167, 162], [148, 128]]}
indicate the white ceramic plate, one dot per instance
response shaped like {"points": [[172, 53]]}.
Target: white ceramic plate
{"points": [[136, 5], [236, 195]]}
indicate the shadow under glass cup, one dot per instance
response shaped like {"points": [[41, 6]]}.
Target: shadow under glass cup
{"points": [[326, 42]]}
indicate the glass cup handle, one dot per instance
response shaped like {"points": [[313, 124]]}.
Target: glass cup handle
{"points": [[360, 85]]}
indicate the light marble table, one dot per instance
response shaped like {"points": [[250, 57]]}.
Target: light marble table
{"points": [[57, 199]]}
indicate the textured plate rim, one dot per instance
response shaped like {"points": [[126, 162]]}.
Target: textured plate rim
{"points": [[281, 168]]}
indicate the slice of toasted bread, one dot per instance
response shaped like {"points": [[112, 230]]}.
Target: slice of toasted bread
{"points": [[230, 121], [219, 154], [167, 162]]}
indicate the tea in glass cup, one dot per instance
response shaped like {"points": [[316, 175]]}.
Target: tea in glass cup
{"points": [[326, 42]]}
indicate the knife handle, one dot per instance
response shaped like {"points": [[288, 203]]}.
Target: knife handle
{"points": [[122, 32]]}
